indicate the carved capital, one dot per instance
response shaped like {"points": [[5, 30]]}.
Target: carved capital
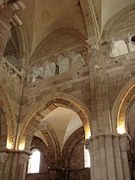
{"points": [[94, 43]]}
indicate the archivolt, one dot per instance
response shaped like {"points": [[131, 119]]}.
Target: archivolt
{"points": [[125, 98], [9, 115], [120, 24], [47, 105]]}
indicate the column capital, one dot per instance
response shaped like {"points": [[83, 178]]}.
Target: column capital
{"points": [[94, 43], [14, 151], [104, 136]]}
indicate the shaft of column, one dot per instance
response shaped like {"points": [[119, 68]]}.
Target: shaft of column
{"points": [[13, 165], [109, 157], [123, 145]]}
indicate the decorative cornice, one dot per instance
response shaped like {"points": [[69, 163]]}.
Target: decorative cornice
{"points": [[14, 151]]}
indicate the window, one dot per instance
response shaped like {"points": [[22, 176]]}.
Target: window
{"points": [[119, 48], [34, 162], [87, 162]]}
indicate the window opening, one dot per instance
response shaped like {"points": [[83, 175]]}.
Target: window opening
{"points": [[87, 161], [34, 162]]}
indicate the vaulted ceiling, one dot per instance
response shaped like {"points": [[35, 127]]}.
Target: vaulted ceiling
{"points": [[54, 22], [43, 17]]}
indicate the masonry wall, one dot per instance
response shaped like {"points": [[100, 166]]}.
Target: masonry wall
{"points": [[119, 71], [11, 83]]}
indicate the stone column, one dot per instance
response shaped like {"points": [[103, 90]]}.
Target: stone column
{"points": [[109, 157], [123, 146], [13, 165], [101, 121], [3, 160]]}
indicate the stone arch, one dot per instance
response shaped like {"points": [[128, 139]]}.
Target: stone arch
{"points": [[69, 146], [47, 105], [87, 18], [16, 46], [117, 23], [37, 143], [121, 105], [52, 142], [9, 117], [3, 130], [50, 45]]}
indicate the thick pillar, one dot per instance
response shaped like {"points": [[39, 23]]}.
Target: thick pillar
{"points": [[109, 158], [13, 165], [109, 155], [124, 158]]}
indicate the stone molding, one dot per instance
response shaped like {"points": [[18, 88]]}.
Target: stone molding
{"points": [[107, 136]]}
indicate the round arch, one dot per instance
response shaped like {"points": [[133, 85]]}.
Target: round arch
{"points": [[9, 117], [120, 107], [47, 105]]}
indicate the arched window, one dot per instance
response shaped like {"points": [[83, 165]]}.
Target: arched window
{"points": [[87, 161], [34, 162]]}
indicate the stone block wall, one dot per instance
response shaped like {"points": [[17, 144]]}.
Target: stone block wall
{"points": [[75, 84], [10, 81]]}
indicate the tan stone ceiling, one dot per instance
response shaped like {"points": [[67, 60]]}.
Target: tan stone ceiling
{"points": [[64, 123], [112, 7], [42, 17]]}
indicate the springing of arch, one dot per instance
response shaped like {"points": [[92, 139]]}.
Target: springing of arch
{"points": [[121, 105], [47, 105], [9, 116]]}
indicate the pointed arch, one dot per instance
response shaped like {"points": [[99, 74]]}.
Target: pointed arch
{"points": [[47, 105], [9, 117]]}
